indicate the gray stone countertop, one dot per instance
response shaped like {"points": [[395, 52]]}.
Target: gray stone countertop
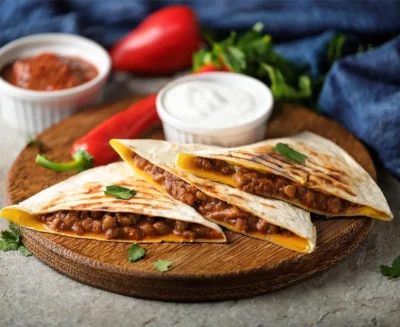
{"points": [[352, 293]]}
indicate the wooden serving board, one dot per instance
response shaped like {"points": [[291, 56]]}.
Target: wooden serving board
{"points": [[242, 268]]}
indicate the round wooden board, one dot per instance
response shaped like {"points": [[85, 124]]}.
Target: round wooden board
{"points": [[242, 268]]}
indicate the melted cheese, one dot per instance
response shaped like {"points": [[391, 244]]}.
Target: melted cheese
{"points": [[294, 243], [186, 162], [369, 212], [27, 220], [126, 154]]}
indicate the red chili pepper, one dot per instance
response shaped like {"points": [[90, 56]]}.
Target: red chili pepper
{"points": [[211, 68], [163, 43], [94, 149]]}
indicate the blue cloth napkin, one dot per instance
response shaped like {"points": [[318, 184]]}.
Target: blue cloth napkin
{"points": [[361, 91]]}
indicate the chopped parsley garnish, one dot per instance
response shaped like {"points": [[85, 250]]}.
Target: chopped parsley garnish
{"points": [[135, 253], [393, 271], [289, 153], [119, 192], [11, 240], [31, 142], [162, 265]]}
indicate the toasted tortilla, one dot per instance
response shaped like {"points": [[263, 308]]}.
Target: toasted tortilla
{"points": [[85, 192], [328, 169], [274, 212]]}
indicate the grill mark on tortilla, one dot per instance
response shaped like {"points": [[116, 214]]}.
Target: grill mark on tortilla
{"points": [[92, 190], [108, 206], [75, 197], [327, 168], [236, 196], [267, 205], [341, 184], [345, 189], [114, 200], [326, 180], [316, 172], [336, 177], [252, 160]]}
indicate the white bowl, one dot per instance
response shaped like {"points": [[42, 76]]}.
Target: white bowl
{"points": [[34, 111], [240, 133]]}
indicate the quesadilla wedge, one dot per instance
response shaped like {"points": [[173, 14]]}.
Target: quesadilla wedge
{"points": [[266, 219], [78, 207], [306, 170]]}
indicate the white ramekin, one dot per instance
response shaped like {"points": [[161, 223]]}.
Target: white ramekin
{"points": [[242, 133], [34, 111]]}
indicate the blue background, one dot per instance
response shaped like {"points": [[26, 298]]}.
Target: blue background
{"points": [[362, 91]]}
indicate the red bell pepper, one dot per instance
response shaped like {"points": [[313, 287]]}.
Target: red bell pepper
{"points": [[162, 44], [211, 68], [94, 149]]}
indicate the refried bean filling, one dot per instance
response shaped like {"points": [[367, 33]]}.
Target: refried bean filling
{"points": [[207, 206], [124, 226], [269, 185]]}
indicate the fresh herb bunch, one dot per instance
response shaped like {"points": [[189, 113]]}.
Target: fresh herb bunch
{"points": [[252, 53], [11, 240]]}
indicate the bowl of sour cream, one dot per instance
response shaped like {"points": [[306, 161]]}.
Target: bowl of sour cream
{"points": [[217, 108]]}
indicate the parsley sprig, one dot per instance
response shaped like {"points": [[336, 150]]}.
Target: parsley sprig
{"points": [[11, 240], [393, 271], [119, 192], [289, 153], [252, 54]]}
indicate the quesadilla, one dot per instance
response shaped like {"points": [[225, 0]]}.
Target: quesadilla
{"points": [[79, 207], [266, 219], [306, 170]]}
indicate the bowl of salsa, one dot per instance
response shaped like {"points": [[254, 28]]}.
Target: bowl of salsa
{"points": [[47, 77]]}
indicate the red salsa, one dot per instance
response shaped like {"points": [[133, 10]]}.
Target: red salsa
{"points": [[49, 72]]}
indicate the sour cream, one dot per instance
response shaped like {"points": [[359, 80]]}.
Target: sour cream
{"points": [[210, 103], [218, 108]]}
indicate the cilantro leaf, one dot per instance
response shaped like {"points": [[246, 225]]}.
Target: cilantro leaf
{"points": [[15, 230], [234, 58], [282, 90], [393, 271], [119, 192], [11, 240], [135, 253], [24, 251], [258, 27], [8, 236], [289, 153], [230, 40], [8, 246], [198, 59], [31, 142], [162, 265]]}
